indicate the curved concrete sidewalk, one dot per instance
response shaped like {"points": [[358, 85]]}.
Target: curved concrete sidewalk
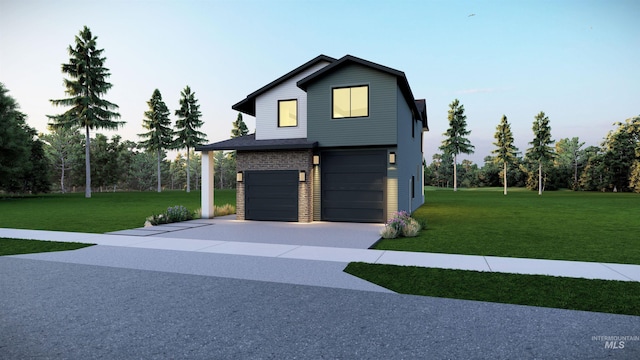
{"points": [[577, 269]]}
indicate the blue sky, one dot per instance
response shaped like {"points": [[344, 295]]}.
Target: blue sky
{"points": [[578, 61]]}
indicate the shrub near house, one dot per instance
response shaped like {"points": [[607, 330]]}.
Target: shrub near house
{"points": [[402, 224]]}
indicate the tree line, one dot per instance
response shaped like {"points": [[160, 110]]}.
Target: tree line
{"points": [[546, 165], [29, 163]]}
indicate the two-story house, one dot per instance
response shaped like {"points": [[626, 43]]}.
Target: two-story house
{"points": [[335, 140]]}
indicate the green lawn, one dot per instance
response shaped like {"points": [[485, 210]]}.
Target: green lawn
{"points": [[586, 226], [618, 297], [19, 246], [103, 212]]}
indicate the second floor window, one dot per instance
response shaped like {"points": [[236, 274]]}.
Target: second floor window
{"points": [[287, 113], [350, 102]]}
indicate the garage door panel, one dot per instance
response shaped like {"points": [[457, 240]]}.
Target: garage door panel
{"points": [[367, 196], [353, 185], [271, 195], [355, 179], [363, 215]]}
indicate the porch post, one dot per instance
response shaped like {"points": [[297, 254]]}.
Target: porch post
{"points": [[207, 185]]}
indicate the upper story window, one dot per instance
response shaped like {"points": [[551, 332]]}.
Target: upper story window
{"points": [[350, 102], [287, 113]]}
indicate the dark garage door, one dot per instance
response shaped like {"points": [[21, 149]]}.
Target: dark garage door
{"points": [[271, 195], [353, 184]]}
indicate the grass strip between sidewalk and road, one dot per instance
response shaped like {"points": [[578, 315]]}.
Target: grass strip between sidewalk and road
{"points": [[10, 246], [617, 297]]}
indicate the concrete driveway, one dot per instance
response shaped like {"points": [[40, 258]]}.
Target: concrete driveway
{"points": [[227, 228]]}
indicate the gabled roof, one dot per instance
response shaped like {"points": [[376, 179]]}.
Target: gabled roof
{"points": [[349, 59], [248, 105], [249, 142], [421, 104]]}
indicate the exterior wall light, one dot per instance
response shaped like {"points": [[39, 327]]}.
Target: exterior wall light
{"points": [[392, 158], [316, 159], [302, 176], [239, 176]]}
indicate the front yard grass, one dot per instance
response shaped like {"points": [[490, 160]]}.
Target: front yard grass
{"points": [[561, 225], [103, 212], [618, 297], [19, 246]]}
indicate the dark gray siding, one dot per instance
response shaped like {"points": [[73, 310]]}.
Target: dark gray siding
{"points": [[379, 128], [409, 158]]}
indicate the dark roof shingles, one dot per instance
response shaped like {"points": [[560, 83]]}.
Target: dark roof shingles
{"points": [[249, 142]]}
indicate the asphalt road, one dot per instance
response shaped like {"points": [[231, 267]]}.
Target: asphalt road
{"points": [[55, 310]]}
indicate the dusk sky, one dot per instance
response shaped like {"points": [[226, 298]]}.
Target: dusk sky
{"points": [[578, 61]]}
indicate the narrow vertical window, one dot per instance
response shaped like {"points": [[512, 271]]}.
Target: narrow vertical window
{"points": [[413, 186], [287, 113], [350, 102]]}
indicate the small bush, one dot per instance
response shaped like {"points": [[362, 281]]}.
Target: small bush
{"points": [[178, 213], [226, 209], [411, 228], [401, 224], [389, 232], [173, 214]]}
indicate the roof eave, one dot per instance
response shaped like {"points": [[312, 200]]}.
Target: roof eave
{"points": [[214, 147], [248, 105]]}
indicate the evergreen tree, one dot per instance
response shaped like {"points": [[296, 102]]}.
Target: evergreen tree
{"points": [[506, 152], [87, 86], [568, 159], [541, 150], [15, 139], [239, 127], [159, 137], [455, 142], [187, 125], [620, 152], [64, 147]]}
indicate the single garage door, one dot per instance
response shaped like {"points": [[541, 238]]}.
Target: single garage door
{"points": [[271, 195], [353, 184]]}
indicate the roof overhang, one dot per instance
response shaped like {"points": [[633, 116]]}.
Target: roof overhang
{"points": [[248, 105], [249, 143], [402, 81], [421, 104]]}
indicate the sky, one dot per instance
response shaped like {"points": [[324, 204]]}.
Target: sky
{"points": [[578, 61]]}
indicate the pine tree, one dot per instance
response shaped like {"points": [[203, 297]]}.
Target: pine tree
{"points": [[64, 145], [15, 139], [187, 125], [87, 86], [506, 152], [541, 150], [455, 142], [239, 127], [160, 134]]}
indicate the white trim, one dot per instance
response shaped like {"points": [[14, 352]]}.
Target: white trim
{"points": [[206, 199]]}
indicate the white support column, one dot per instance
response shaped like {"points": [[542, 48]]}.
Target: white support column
{"points": [[207, 185]]}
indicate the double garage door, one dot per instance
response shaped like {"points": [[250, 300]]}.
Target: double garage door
{"points": [[352, 189]]}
